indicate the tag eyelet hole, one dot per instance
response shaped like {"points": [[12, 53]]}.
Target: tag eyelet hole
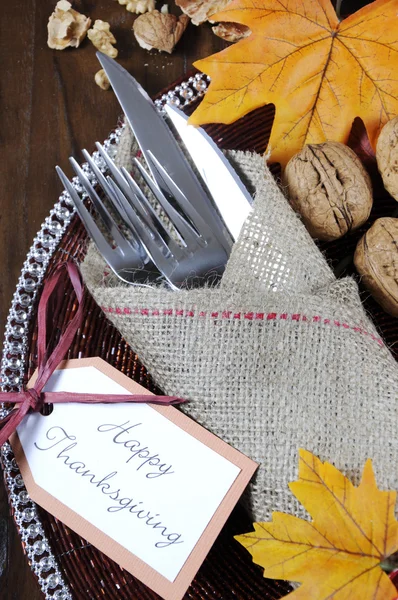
{"points": [[47, 410]]}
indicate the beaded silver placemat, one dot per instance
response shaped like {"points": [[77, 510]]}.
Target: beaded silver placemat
{"points": [[13, 365]]}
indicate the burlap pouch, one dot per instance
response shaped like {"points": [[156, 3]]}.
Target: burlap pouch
{"points": [[279, 356]]}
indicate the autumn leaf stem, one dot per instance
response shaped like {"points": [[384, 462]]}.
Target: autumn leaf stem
{"points": [[338, 8]]}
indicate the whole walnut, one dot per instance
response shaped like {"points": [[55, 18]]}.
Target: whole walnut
{"points": [[376, 259], [328, 185], [387, 156]]}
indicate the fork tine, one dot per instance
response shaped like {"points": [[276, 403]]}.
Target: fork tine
{"points": [[98, 204], [160, 252], [113, 169], [217, 226], [140, 204], [187, 233], [120, 209], [95, 234], [127, 185], [141, 199], [97, 172], [139, 208]]}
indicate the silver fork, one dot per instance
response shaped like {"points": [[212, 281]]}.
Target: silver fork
{"points": [[197, 254]]}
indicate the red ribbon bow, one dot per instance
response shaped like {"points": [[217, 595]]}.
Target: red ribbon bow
{"points": [[34, 398]]}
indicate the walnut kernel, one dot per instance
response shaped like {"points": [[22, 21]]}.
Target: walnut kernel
{"points": [[330, 188], [387, 156], [376, 259], [66, 27], [102, 80], [231, 32], [201, 10], [138, 7], [159, 30], [102, 38]]}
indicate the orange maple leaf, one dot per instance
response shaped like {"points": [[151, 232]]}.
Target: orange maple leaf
{"points": [[337, 555], [318, 72]]}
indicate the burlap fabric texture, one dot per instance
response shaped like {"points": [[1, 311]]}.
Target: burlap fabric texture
{"points": [[279, 356]]}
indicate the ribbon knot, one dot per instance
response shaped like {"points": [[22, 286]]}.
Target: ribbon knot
{"points": [[33, 399]]}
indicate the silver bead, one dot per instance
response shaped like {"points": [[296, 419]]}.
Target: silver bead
{"points": [[24, 300], [14, 347], [53, 580], [34, 268], [66, 198], [77, 185], [40, 254], [13, 380], [61, 595], [63, 213], [39, 547], [46, 563], [174, 101], [29, 284], [200, 85], [47, 240], [55, 226], [187, 93], [28, 514], [21, 316], [23, 497], [14, 465], [33, 530], [13, 363], [19, 481], [17, 331]]}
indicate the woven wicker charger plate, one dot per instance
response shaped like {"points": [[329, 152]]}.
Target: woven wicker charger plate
{"points": [[65, 564]]}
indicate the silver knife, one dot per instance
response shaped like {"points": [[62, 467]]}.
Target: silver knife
{"points": [[155, 138], [228, 192]]}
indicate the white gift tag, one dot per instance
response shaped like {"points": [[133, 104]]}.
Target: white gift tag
{"points": [[145, 484]]}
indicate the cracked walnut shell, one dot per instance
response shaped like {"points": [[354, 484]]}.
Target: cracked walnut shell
{"points": [[102, 38], [330, 188], [387, 156], [376, 260], [66, 27], [159, 30]]}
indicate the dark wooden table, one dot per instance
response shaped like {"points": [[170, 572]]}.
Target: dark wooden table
{"points": [[50, 108]]}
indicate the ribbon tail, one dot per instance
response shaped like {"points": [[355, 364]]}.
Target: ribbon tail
{"points": [[62, 397], [9, 424]]}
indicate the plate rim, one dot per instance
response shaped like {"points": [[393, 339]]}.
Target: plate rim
{"points": [[17, 337]]}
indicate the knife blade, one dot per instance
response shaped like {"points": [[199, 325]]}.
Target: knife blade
{"points": [[228, 192], [155, 138]]}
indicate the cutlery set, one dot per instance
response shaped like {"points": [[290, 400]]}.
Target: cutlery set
{"points": [[203, 216]]}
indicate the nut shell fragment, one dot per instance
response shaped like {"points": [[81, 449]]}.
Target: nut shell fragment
{"points": [[201, 10], [330, 188], [102, 80], [102, 38], [138, 7], [159, 30], [231, 32], [66, 27], [387, 156], [376, 259]]}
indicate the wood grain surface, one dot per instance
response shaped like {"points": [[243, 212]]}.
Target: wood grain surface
{"points": [[50, 108]]}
